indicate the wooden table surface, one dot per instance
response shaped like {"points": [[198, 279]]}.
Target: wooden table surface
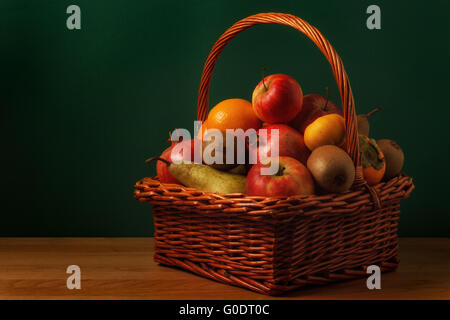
{"points": [[123, 268]]}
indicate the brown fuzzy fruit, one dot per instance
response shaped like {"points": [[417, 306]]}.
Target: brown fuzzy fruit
{"points": [[363, 122], [393, 155], [332, 168]]}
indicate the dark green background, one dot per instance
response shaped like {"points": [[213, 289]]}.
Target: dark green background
{"points": [[81, 110]]}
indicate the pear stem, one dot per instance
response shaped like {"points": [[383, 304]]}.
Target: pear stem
{"points": [[156, 159], [373, 111], [264, 84]]}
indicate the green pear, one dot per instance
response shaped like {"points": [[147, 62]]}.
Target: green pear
{"points": [[206, 178]]}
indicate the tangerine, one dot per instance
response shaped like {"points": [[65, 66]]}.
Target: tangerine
{"points": [[233, 114]]}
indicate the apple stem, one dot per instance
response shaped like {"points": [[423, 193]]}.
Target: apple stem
{"points": [[264, 84], [373, 111], [328, 97], [280, 171], [156, 159]]}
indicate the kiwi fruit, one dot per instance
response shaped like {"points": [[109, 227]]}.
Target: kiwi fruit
{"points": [[332, 168], [363, 121], [393, 156]]}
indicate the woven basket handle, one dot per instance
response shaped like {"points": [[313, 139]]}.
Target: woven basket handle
{"points": [[312, 33]]}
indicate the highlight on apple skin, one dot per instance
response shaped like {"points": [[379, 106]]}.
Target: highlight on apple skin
{"points": [[292, 178], [277, 98], [290, 143]]}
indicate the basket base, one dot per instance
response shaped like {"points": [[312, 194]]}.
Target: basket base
{"points": [[267, 287]]}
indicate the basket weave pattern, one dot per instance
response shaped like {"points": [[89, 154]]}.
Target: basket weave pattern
{"points": [[273, 245]]}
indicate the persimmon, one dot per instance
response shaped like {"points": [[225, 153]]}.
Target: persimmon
{"points": [[372, 160]]}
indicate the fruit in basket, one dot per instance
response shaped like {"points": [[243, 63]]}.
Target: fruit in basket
{"points": [[277, 98], [172, 155], [332, 168], [314, 106], [229, 114], [206, 178], [363, 122], [161, 168], [290, 143], [233, 114], [292, 178], [393, 156], [372, 160], [240, 169], [325, 130], [220, 151]]}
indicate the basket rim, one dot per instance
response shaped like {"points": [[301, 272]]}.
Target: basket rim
{"points": [[190, 199]]}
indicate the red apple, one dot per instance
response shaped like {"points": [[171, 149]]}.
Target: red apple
{"points": [[172, 155], [290, 143], [277, 99], [292, 178], [161, 168], [314, 106]]}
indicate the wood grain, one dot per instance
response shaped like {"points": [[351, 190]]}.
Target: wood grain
{"points": [[123, 268]]}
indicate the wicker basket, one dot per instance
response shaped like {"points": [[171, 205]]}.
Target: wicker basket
{"points": [[273, 245]]}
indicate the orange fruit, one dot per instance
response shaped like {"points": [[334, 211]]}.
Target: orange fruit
{"points": [[372, 175], [233, 114], [372, 160], [325, 130]]}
